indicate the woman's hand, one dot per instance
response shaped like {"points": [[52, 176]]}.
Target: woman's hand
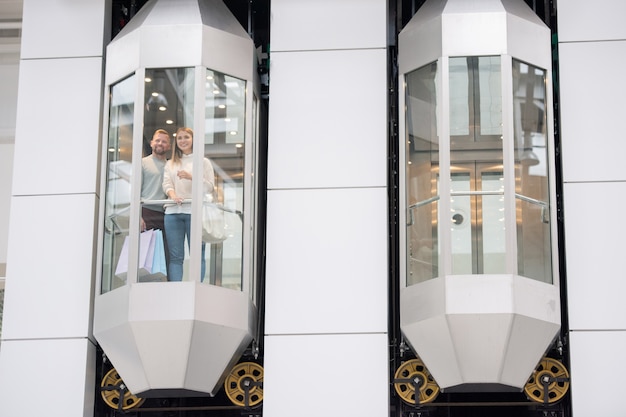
{"points": [[178, 200], [183, 175]]}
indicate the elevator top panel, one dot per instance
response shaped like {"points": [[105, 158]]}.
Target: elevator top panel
{"points": [[473, 28]]}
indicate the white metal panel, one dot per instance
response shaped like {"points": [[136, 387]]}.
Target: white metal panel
{"points": [[298, 25], [417, 53], [592, 110], [580, 20], [597, 372], [480, 27], [199, 33], [50, 267], [58, 126], [326, 375], [58, 28], [595, 255], [52, 378], [529, 42], [326, 261], [474, 33], [463, 327], [327, 124], [140, 324]]}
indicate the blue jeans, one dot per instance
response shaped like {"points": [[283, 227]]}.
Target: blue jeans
{"points": [[177, 227]]}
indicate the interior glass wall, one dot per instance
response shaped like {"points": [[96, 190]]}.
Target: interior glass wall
{"points": [[531, 172], [421, 174]]}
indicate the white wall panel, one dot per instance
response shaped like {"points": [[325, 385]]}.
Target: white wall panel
{"points": [[326, 261], [595, 255], [592, 110], [328, 24], [50, 267], [52, 378], [583, 20], [327, 125], [597, 385], [58, 126], [335, 375], [62, 28]]}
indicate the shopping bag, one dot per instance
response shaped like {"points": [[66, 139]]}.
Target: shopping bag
{"points": [[147, 242], [213, 222], [158, 269]]}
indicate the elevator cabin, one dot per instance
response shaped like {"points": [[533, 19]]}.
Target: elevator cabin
{"points": [[176, 323], [479, 297]]}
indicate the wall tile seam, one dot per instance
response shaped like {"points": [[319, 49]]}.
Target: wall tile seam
{"points": [[598, 330], [600, 181], [61, 58], [83, 193], [577, 41], [329, 334], [44, 339], [373, 48], [356, 187]]}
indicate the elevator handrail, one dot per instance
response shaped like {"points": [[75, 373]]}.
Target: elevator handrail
{"points": [[544, 205], [168, 202]]}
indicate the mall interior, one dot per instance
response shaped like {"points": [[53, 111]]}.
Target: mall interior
{"points": [[395, 216]]}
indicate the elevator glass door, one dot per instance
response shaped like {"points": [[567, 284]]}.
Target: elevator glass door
{"points": [[477, 218]]}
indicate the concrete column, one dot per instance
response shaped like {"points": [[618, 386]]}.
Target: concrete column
{"points": [[327, 267], [47, 359]]}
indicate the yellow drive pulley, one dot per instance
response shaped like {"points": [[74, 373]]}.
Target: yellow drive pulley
{"points": [[414, 383], [244, 384], [548, 383], [115, 393]]}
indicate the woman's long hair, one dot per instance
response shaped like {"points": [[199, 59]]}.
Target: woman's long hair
{"points": [[178, 154]]}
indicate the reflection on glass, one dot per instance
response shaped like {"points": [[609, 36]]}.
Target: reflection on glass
{"points": [[421, 174], [531, 172], [117, 199], [475, 99], [476, 158], [493, 229], [224, 117], [462, 208]]}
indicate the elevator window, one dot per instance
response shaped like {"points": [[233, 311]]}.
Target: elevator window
{"points": [[476, 165], [118, 191], [421, 172], [211, 106], [534, 258], [224, 118]]}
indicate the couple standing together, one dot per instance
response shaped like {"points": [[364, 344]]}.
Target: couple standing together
{"points": [[171, 179]]}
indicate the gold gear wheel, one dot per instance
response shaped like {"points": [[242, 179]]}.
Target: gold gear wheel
{"points": [[112, 388], [548, 383], [413, 373], [244, 384]]}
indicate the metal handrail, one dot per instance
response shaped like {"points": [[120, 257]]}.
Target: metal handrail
{"points": [[169, 203]]}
